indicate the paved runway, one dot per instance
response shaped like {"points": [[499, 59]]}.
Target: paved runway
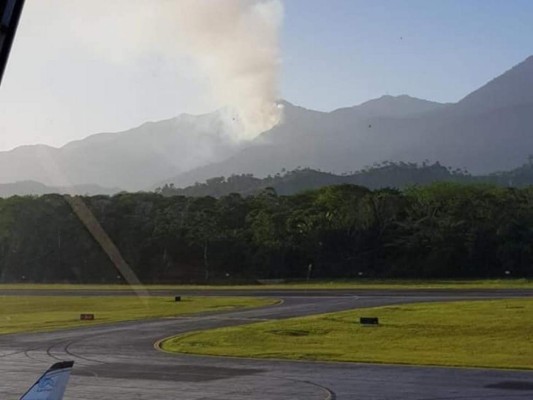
{"points": [[119, 361]]}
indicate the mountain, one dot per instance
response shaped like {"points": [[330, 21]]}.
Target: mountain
{"points": [[490, 129], [391, 106], [132, 159], [386, 175], [513, 88], [311, 138], [26, 188]]}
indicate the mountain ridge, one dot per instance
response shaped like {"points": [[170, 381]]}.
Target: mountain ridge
{"points": [[502, 90], [476, 133], [132, 159], [487, 130]]}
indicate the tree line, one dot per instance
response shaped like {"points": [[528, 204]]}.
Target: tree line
{"points": [[443, 230], [387, 174]]}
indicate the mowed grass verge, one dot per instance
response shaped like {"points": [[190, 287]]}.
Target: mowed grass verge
{"points": [[45, 313], [322, 284], [491, 334]]}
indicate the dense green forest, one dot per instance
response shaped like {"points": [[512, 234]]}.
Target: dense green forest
{"points": [[344, 231], [397, 175]]}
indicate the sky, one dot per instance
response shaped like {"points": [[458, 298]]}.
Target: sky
{"points": [[75, 70]]}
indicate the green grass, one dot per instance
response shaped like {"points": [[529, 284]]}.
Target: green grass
{"points": [[44, 313], [333, 284], [493, 334]]}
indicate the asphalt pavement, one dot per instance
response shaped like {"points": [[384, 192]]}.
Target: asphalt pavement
{"points": [[119, 361]]}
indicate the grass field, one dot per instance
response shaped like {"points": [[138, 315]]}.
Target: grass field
{"points": [[44, 313], [494, 334], [338, 284]]}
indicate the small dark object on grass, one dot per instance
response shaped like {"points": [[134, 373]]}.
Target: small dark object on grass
{"points": [[177, 298], [369, 321], [86, 317]]}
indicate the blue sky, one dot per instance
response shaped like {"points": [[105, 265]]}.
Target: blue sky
{"points": [[342, 52], [63, 81]]}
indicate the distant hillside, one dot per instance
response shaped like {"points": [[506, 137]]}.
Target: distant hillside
{"points": [[490, 129], [133, 159], [26, 188], [397, 175], [385, 175], [518, 177]]}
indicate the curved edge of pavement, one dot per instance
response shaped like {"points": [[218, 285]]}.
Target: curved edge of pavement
{"points": [[158, 345], [329, 394]]}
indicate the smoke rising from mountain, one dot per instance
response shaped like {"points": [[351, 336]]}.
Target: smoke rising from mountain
{"points": [[236, 43]]}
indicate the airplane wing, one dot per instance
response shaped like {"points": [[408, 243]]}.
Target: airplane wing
{"points": [[52, 384]]}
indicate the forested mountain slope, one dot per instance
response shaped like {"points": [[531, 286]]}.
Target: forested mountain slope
{"points": [[384, 175]]}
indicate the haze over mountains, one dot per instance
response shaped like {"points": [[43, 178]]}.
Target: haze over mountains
{"points": [[490, 129], [25, 188], [131, 160]]}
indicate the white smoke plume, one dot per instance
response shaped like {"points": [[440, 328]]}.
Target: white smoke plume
{"points": [[234, 42]]}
